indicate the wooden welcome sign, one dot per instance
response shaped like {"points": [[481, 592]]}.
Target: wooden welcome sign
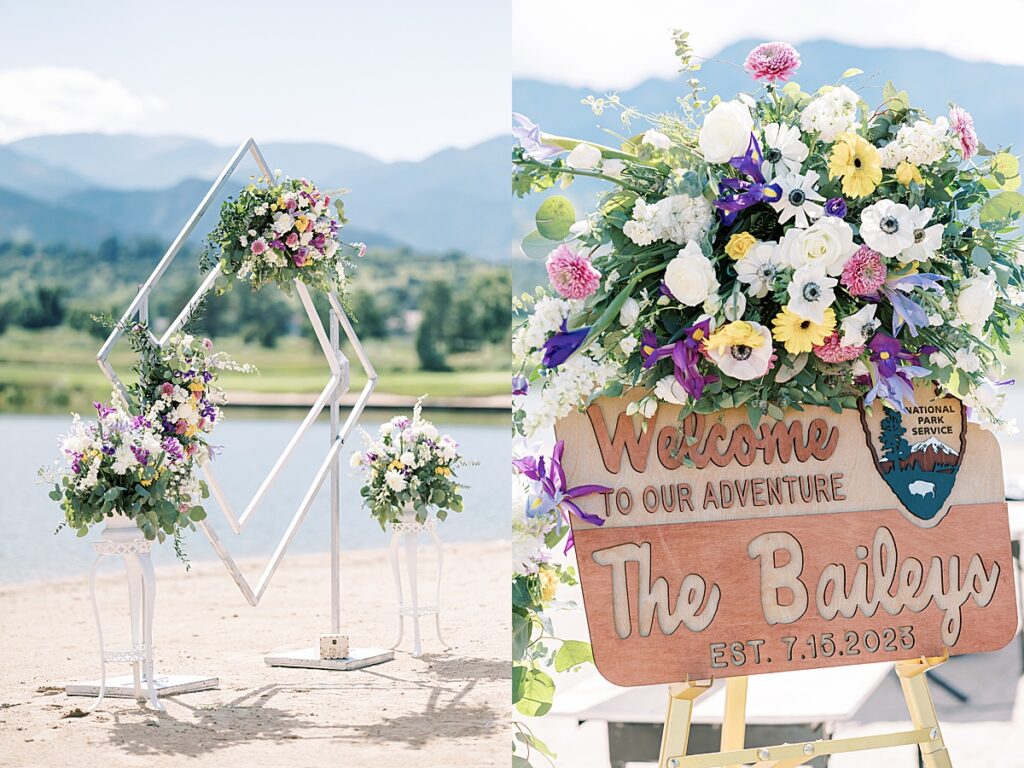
{"points": [[818, 540]]}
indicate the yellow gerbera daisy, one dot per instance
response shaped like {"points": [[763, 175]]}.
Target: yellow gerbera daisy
{"points": [[856, 161], [736, 334], [799, 334]]}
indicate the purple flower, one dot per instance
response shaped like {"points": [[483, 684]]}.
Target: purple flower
{"points": [[520, 384], [906, 311], [892, 370], [528, 135], [885, 353], [772, 61], [835, 206], [561, 346], [686, 354], [738, 194]]}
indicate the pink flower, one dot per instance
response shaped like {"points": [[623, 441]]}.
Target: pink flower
{"points": [[259, 245], [292, 241], [167, 389], [831, 351], [962, 123], [864, 273], [571, 273], [772, 61], [207, 345]]}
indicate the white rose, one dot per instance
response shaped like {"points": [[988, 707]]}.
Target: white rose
{"points": [[977, 298], [726, 132], [690, 276], [584, 157], [827, 243], [656, 139], [629, 313]]}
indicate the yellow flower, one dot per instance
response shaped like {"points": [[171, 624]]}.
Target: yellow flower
{"points": [[396, 465], [192, 429], [907, 172], [799, 334], [855, 160], [548, 584], [736, 334], [443, 471], [301, 223], [739, 244]]}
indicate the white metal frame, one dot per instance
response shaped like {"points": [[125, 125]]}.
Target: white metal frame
{"points": [[336, 386]]}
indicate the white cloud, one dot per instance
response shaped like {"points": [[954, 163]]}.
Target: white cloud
{"points": [[66, 100], [605, 44]]}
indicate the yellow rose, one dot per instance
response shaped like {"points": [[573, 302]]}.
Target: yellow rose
{"points": [[907, 172], [301, 223], [739, 244]]}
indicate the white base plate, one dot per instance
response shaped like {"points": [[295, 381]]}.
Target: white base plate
{"points": [[123, 686], [309, 658]]}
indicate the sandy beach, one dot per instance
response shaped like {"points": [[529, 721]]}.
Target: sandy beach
{"points": [[443, 709]]}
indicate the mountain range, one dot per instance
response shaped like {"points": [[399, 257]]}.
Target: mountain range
{"points": [[82, 188]]}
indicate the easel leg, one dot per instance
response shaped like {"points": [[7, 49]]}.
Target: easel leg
{"points": [[922, 710], [676, 733], [734, 721]]}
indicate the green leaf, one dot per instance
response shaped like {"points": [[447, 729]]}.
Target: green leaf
{"points": [[1005, 205], [851, 72], [981, 258], [536, 693], [554, 217], [522, 631], [196, 514], [535, 246], [1005, 173], [572, 654]]}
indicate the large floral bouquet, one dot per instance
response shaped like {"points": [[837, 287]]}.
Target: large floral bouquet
{"points": [[182, 377], [280, 230], [775, 250], [410, 465], [122, 463]]}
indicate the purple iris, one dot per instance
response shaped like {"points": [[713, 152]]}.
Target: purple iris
{"points": [[835, 206], [549, 491], [686, 356], [102, 409], [528, 135], [737, 194], [562, 345], [906, 311], [520, 384], [893, 370]]}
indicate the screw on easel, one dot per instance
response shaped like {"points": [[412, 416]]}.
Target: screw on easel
{"points": [[673, 763], [763, 754], [808, 749]]}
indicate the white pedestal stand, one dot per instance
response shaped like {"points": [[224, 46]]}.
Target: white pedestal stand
{"points": [[121, 536], [408, 531]]}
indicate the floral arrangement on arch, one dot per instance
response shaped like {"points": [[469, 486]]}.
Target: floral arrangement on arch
{"points": [[179, 382], [123, 463], [410, 466], [276, 231], [774, 250]]}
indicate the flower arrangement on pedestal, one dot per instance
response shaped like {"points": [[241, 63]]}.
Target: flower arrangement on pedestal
{"points": [[410, 467], [124, 464], [773, 250], [278, 230]]}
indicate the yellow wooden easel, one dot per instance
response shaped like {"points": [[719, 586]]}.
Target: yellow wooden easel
{"points": [[926, 733]]}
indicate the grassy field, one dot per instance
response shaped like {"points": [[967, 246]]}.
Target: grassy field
{"points": [[55, 370]]}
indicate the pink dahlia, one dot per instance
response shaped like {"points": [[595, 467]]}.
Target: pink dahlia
{"points": [[571, 273], [832, 351], [864, 273], [259, 245], [772, 61], [962, 123]]}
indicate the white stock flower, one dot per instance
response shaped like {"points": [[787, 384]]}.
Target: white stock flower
{"points": [[967, 360], [830, 113], [584, 157], [927, 240], [690, 276], [759, 269], [887, 227], [810, 293], [677, 218], [800, 198], [857, 329], [977, 299], [656, 139], [920, 143], [784, 152], [939, 359], [828, 243], [726, 132]]}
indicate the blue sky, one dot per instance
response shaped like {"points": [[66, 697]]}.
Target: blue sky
{"points": [[618, 45], [396, 79]]}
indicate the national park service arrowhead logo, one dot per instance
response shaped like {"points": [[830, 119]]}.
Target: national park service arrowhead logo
{"points": [[918, 453]]}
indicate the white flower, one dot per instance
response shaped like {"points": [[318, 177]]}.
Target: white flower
{"points": [[677, 218], [920, 143], [986, 401], [734, 306], [124, 459], [927, 240], [408, 459], [810, 293], [639, 233], [800, 198], [629, 313], [628, 343], [612, 168], [830, 114], [759, 268], [977, 298], [743, 362], [283, 222], [828, 242], [690, 276], [395, 481], [356, 460], [726, 132], [856, 329], [886, 227], [584, 157], [580, 228], [967, 360], [656, 139], [783, 151], [939, 359], [668, 390]]}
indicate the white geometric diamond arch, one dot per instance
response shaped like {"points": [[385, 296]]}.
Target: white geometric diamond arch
{"points": [[337, 385]]}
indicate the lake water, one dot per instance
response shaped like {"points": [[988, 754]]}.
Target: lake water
{"points": [[29, 550]]}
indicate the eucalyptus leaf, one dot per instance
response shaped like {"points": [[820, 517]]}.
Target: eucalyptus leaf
{"points": [[554, 218]]}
